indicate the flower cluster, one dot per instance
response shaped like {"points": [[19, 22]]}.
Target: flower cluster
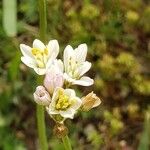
{"points": [[56, 94]]}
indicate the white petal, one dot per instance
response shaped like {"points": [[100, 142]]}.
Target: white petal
{"points": [[55, 94], [68, 52], [26, 50], [68, 78], [69, 113], [57, 65], [85, 81], [53, 48], [60, 65], [49, 63], [54, 99], [54, 69], [81, 52], [40, 71], [28, 61], [77, 103], [51, 110], [70, 92], [38, 44], [84, 68]]}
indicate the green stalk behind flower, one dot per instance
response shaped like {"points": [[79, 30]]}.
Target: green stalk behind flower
{"points": [[40, 109]]}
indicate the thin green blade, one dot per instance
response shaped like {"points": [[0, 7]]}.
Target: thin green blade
{"points": [[10, 17]]}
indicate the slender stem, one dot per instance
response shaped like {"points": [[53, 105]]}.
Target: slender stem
{"points": [[43, 20], [41, 127], [40, 109], [66, 143]]}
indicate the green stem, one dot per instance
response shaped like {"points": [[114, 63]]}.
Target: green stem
{"points": [[43, 20], [66, 143], [40, 109], [41, 127]]}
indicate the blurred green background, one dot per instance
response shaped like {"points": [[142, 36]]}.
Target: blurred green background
{"points": [[117, 33]]}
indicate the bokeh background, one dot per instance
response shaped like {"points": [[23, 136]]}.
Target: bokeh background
{"points": [[117, 33]]}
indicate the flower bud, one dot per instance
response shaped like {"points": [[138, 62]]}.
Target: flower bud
{"points": [[90, 101], [54, 78], [41, 96], [60, 130]]}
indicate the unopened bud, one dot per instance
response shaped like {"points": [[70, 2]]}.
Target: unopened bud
{"points": [[54, 78], [41, 96], [60, 130], [90, 101]]}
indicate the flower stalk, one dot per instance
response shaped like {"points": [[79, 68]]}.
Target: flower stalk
{"points": [[66, 142], [41, 127], [40, 109], [43, 20]]}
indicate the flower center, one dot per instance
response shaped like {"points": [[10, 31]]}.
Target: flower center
{"points": [[40, 56], [63, 101], [73, 68]]}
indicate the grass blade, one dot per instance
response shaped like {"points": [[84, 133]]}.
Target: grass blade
{"points": [[10, 17]]}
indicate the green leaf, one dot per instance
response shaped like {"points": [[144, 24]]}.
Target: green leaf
{"points": [[10, 17], [14, 67]]}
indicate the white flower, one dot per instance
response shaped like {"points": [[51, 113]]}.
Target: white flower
{"points": [[41, 96], [64, 102], [39, 57], [54, 76], [76, 66]]}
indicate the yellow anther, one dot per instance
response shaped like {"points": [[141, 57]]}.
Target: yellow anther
{"points": [[58, 106], [63, 101], [36, 51], [40, 63], [39, 56]]}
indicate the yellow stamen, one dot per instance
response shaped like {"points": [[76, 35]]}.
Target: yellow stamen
{"points": [[36, 51], [63, 101], [40, 64], [39, 55]]}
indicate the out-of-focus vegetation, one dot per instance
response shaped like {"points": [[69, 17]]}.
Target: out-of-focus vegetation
{"points": [[118, 36]]}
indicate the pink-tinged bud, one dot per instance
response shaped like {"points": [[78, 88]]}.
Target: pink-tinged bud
{"points": [[90, 101], [53, 79], [41, 96]]}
